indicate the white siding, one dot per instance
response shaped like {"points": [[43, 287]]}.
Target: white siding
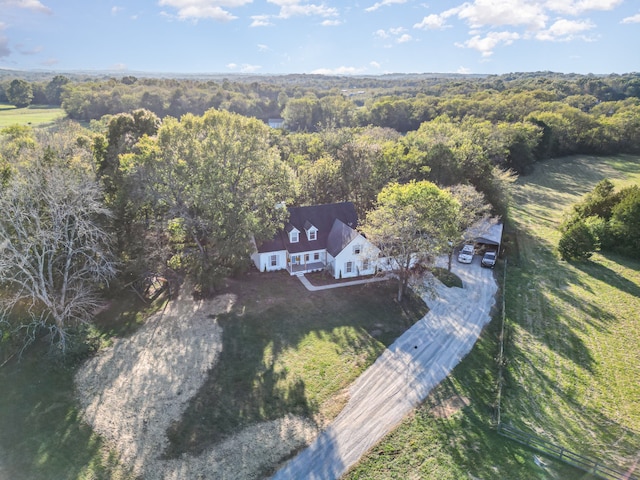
{"points": [[263, 261], [367, 251]]}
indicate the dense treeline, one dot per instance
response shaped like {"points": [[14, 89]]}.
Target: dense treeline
{"points": [[535, 116], [187, 181]]}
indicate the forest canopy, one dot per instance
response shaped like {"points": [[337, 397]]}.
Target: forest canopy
{"points": [[185, 174]]}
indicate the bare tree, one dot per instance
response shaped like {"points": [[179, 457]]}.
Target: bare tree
{"points": [[54, 253]]}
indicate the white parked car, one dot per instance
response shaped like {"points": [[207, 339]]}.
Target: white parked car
{"points": [[466, 254]]}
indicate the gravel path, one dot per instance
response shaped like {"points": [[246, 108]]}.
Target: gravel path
{"points": [[402, 377]]}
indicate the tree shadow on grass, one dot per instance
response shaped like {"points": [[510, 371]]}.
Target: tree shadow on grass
{"points": [[243, 388], [42, 435], [609, 276], [276, 316], [546, 414], [541, 295]]}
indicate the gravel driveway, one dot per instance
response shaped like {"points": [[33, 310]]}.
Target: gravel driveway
{"points": [[402, 377]]}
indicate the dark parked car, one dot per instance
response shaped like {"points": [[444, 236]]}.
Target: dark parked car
{"points": [[489, 259]]}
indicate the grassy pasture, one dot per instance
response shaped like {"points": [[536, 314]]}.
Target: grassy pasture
{"points": [[572, 353], [574, 329], [34, 115]]}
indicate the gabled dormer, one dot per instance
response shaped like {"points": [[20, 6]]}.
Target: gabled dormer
{"points": [[293, 232], [312, 231]]}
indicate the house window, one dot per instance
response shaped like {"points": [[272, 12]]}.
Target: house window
{"points": [[306, 257], [313, 235], [357, 249], [316, 256], [293, 237], [274, 260], [365, 264], [349, 267]]}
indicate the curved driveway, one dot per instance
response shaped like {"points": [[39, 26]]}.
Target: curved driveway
{"points": [[402, 377]]}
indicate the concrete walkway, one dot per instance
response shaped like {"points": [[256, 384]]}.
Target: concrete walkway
{"points": [[402, 377], [313, 288]]}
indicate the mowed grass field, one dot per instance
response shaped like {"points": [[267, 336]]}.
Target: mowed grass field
{"points": [[573, 349], [572, 359], [34, 115], [285, 350]]}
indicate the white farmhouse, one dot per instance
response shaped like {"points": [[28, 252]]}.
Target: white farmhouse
{"points": [[319, 237]]}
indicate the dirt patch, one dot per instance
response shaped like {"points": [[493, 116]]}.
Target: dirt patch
{"points": [[450, 406], [132, 391]]}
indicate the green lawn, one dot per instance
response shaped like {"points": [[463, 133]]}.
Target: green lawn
{"points": [[572, 353], [285, 350], [34, 115], [41, 434]]}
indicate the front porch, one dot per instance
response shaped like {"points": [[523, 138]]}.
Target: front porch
{"points": [[294, 268]]}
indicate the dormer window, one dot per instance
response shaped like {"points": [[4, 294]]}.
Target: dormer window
{"points": [[293, 232], [312, 231]]}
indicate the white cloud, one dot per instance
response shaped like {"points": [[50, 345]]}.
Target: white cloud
{"points": [[485, 45], [375, 65], [578, 7], [116, 9], [34, 5], [525, 19], [494, 13], [331, 23], [244, 68], [263, 48], [564, 30], [384, 3], [432, 22], [261, 21], [398, 34], [119, 66], [293, 8], [338, 71], [200, 9], [463, 70], [634, 19]]}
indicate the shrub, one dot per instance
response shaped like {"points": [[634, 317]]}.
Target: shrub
{"points": [[577, 242]]}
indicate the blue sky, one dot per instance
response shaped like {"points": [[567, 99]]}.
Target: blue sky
{"points": [[321, 36]]}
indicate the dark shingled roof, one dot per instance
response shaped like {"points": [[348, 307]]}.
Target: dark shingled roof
{"points": [[320, 216], [339, 237]]}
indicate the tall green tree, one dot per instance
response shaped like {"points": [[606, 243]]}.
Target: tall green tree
{"points": [[625, 221], [20, 93], [54, 88], [217, 182], [411, 225]]}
